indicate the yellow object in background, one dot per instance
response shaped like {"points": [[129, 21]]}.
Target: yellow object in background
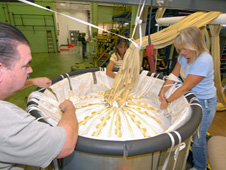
{"points": [[220, 107]]}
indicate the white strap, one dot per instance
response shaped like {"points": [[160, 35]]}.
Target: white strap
{"points": [[67, 75], [43, 118], [138, 21], [55, 164], [104, 78], [193, 99], [172, 145], [188, 93], [223, 88], [171, 76], [62, 77], [179, 148], [149, 84]]}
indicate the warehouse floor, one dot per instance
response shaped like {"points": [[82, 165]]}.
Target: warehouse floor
{"points": [[52, 65], [55, 64]]}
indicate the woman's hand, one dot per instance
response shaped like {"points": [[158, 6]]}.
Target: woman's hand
{"points": [[164, 105], [162, 96], [162, 99]]}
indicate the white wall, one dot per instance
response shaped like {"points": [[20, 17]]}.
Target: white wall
{"points": [[65, 24]]}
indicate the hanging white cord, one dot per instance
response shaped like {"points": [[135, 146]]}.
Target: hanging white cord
{"points": [[78, 20], [138, 21]]}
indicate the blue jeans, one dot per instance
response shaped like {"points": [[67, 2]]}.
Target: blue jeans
{"points": [[199, 146]]}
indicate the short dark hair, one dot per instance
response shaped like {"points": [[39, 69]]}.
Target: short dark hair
{"points": [[10, 37]]}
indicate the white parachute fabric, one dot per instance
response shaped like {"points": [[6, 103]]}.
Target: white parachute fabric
{"points": [[139, 117]]}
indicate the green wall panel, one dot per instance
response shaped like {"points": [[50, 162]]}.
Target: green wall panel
{"points": [[32, 21], [104, 14]]}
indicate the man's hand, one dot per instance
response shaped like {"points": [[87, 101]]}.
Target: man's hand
{"points": [[70, 124], [42, 82], [67, 105]]}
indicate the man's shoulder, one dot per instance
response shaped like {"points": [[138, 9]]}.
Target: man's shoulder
{"points": [[9, 106], [10, 111], [5, 104]]}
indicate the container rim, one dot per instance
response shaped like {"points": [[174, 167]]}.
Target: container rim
{"points": [[132, 147]]}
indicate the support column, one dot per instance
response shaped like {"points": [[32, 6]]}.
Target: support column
{"points": [[94, 18], [215, 51], [133, 19]]}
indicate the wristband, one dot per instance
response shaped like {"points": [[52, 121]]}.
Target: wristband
{"points": [[167, 101]]}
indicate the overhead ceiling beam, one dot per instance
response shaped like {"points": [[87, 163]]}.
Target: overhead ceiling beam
{"points": [[206, 5]]}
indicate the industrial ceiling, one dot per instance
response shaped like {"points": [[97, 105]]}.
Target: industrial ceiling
{"points": [[205, 5]]}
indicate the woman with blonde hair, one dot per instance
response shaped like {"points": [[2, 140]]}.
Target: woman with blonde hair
{"points": [[195, 66]]}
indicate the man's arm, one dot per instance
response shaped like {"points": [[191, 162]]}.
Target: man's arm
{"points": [[70, 124], [42, 82]]}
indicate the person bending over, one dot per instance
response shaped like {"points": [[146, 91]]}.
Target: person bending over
{"points": [[195, 66], [23, 140]]}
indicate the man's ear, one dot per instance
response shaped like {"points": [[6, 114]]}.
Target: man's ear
{"points": [[1, 72]]}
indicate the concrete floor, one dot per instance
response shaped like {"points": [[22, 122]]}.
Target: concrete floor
{"points": [[55, 64]]}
